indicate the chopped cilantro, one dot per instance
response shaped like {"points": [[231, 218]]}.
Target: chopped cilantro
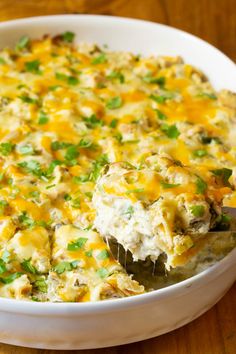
{"points": [[6, 148], [10, 278], [51, 168], [41, 285], [53, 87], [93, 121], [64, 266], [170, 130], [76, 203], [137, 190], [68, 36], [224, 174], [43, 118], [116, 75], [97, 166], [60, 76], [114, 123], [58, 145], [158, 99], [197, 210], [25, 220], [100, 59], [71, 153], [81, 179], [28, 99], [199, 153], [78, 244], [201, 185], [89, 253], [104, 254], [72, 80], [114, 103], [154, 80], [31, 166], [51, 186], [35, 298], [33, 66], [102, 273], [160, 114], [23, 43], [28, 267], [67, 197], [3, 267], [85, 144], [129, 212], [211, 96], [166, 185]]}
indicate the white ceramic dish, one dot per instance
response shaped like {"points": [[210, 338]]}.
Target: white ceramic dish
{"points": [[113, 322]]}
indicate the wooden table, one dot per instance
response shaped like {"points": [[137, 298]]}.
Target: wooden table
{"points": [[214, 21]]}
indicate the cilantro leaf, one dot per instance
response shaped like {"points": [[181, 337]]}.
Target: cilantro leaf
{"points": [[114, 103], [6, 148], [71, 153], [28, 266], [10, 278], [97, 166], [25, 220], [197, 210], [137, 190], [68, 36], [3, 267], [43, 118], [166, 185], [201, 186], [114, 123], [23, 43], [199, 153], [28, 99], [78, 244], [160, 114], [33, 67], [93, 121], [154, 80], [211, 96], [64, 266], [100, 59], [85, 144], [41, 284], [104, 254], [170, 130], [116, 75]]}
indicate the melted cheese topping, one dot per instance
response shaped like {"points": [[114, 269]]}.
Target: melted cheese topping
{"points": [[66, 111]]}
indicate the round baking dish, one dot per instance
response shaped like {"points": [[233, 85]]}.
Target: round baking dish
{"points": [[114, 322]]}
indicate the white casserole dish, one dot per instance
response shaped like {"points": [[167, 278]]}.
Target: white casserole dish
{"points": [[120, 321]]}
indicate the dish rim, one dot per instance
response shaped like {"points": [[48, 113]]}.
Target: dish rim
{"points": [[174, 290]]}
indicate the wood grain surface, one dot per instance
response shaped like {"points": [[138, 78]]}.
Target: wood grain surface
{"points": [[214, 21]]}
